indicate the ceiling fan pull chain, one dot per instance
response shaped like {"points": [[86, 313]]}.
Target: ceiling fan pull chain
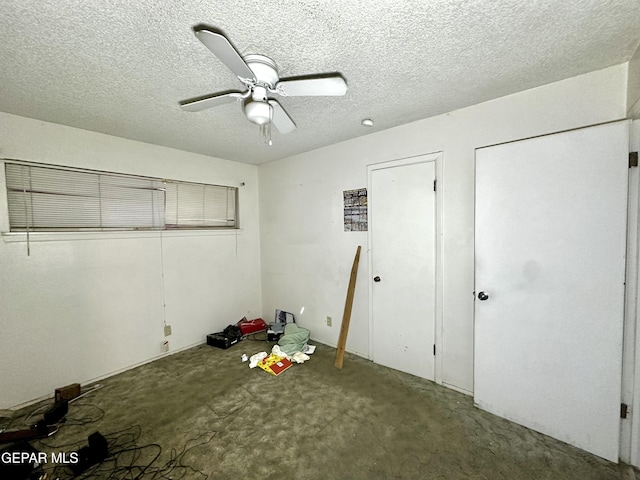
{"points": [[265, 128], [270, 123]]}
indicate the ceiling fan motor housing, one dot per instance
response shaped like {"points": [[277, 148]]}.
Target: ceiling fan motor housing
{"points": [[264, 70]]}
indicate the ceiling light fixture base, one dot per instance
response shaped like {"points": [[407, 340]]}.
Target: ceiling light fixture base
{"points": [[264, 69]]}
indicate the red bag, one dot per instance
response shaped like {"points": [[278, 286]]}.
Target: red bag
{"points": [[248, 327]]}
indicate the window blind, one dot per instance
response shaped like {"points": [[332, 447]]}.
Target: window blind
{"points": [[49, 199], [43, 198], [199, 205]]}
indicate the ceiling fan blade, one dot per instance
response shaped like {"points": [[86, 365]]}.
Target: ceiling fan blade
{"points": [[316, 85], [222, 48], [281, 119], [208, 101]]}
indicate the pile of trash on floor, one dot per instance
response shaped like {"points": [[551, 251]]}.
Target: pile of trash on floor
{"points": [[292, 346]]}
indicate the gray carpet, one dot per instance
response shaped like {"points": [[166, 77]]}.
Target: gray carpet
{"points": [[202, 413]]}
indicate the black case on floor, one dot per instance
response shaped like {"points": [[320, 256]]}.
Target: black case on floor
{"points": [[221, 340]]}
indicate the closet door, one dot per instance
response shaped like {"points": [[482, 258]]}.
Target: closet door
{"points": [[549, 279]]}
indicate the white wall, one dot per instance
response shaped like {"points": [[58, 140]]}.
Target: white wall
{"points": [[306, 256], [633, 86], [82, 306]]}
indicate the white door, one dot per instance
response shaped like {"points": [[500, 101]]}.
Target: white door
{"points": [[402, 242], [550, 266]]}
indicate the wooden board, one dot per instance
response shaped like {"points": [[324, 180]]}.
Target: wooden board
{"points": [[346, 316]]}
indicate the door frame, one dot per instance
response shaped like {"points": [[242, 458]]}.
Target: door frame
{"points": [[437, 158], [630, 427]]}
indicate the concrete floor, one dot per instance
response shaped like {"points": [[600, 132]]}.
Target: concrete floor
{"points": [[202, 413]]}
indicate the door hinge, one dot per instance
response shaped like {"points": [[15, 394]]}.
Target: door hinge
{"points": [[624, 410], [435, 182], [633, 159], [434, 348]]}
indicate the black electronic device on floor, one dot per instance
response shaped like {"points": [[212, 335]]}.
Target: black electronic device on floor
{"points": [[95, 452], [228, 337], [221, 340], [276, 329]]}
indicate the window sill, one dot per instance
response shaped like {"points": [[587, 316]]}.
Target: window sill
{"points": [[11, 237]]}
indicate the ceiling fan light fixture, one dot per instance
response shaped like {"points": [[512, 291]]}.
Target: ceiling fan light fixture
{"points": [[258, 112]]}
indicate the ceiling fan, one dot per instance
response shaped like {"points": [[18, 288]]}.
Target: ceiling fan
{"points": [[259, 74]]}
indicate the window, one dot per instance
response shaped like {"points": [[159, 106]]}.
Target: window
{"points": [[61, 199]]}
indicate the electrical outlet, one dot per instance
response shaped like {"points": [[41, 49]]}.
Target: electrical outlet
{"points": [[167, 330], [329, 321]]}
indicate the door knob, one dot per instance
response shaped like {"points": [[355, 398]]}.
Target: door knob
{"points": [[376, 278], [483, 296]]}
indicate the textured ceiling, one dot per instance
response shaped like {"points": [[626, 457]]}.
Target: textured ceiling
{"points": [[120, 67]]}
